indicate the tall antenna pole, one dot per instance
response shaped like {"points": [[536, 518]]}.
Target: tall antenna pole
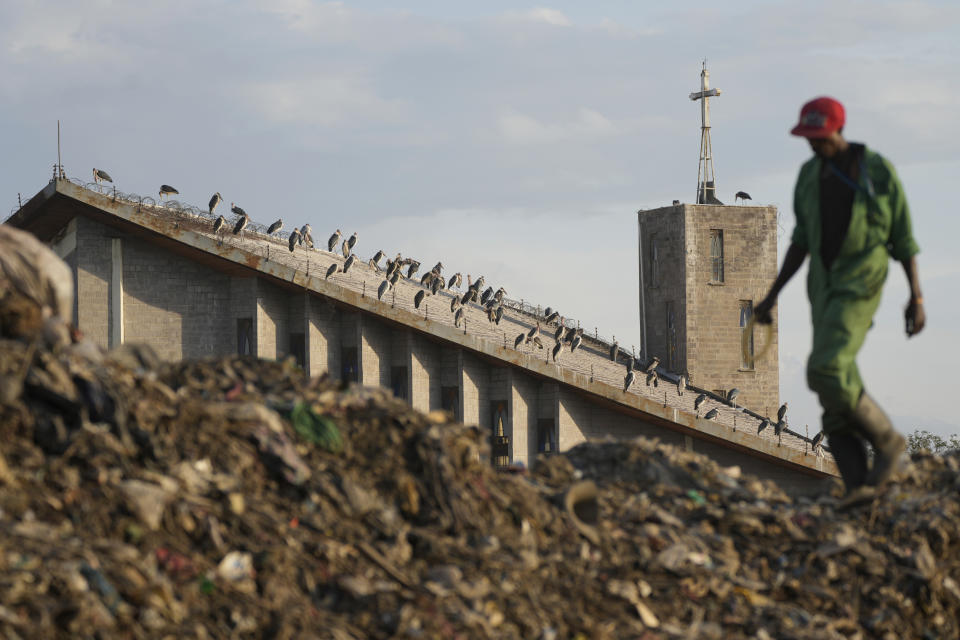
{"points": [[59, 162], [706, 187]]}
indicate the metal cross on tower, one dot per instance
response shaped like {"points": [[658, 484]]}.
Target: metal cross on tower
{"points": [[706, 189]]}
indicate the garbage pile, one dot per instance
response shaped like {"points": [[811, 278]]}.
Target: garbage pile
{"points": [[238, 498]]}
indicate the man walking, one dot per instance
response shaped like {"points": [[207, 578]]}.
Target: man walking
{"points": [[851, 215]]}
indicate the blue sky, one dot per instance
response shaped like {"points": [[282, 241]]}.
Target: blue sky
{"points": [[511, 139]]}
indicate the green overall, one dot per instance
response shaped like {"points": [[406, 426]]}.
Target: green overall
{"points": [[844, 297]]}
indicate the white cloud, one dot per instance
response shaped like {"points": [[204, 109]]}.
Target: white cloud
{"points": [[519, 128], [324, 100], [543, 15]]}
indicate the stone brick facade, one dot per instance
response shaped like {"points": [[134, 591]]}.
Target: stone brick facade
{"points": [[691, 317]]}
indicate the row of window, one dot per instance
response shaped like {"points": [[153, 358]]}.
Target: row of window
{"points": [[716, 258]]}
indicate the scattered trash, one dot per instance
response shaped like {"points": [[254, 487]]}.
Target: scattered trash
{"points": [[233, 497]]}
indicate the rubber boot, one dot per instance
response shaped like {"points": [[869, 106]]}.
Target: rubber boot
{"points": [[850, 454], [888, 445]]}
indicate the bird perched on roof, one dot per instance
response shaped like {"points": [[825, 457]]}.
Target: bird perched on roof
{"points": [[479, 283], [167, 190], [352, 242], [653, 364], [215, 201], [427, 278], [306, 235], [518, 340], [763, 425], [499, 314], [630, 362], [351, 259], [436, 284], [486, 295], [779, 427], [558, 334], [412, 269], [742, 195], [455, 281], [712, 414], [219, 224], [681, 385], [345, 249], [378, 256], [551, 317], [533, 333], [557, 348], [499, 294], [99, 175], [454, 303], [571, 332], [458, 316], [417, 299], [537, 341], [782, 411], [437, 267], [241, 223], [334, 239], [384, 287], [628, 379], [237, 210], [395, 277], [468, 295], [276, 226], [613, 350], [577, 339], [332, 269], [817, 440], [293, 240], [654, 378], [699, 401], [732, 396], [491, 314]]}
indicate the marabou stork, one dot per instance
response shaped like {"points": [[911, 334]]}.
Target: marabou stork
{"points": [[557, 348], [712, 414], [782, 411], [628, 379], [455, 281], [99, 175], [237, 210], [215, 201], [763, 425], [613, 350], [306, 235], [167, 190], [384, 287], [699, 401], [742, 195], [241, 223], [681, 385], [653, 364], [519, 339], [486, 295], [412, 269], [219, 224], [537, 341], [352, 242], [732, 396], [276, 226], [351, 259], [332, 269], [417, 299], [457, 317], [454, 303], [577, 339], [293, 240], [332, 242], [499, 314]]}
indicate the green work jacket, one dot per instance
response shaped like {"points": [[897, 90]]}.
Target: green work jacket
{"points": [[879, 227]]}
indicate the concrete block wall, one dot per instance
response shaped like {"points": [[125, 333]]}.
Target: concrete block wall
{"points": [[664, 227], [94, 263], [713, 320], [273, 321]]}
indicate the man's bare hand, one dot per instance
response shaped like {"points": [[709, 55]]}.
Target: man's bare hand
{"points": [[915, 317], [762, 311]]}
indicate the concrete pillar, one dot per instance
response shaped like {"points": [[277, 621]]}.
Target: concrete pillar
{"points": [[475, 395], [116, 292], [374, 353], [573, 419], [322, 337], [451, 392], [419, 372]]}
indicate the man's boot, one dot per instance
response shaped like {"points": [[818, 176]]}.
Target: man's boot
{"points": [[850, 454], [888, 445]]}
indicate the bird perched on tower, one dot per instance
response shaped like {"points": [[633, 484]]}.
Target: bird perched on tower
{"points": [[782, 411], [613, 350], [334, 239], [293, 240], [237, 210], [219, 224], [412, 269], [698, 402], [99, 175], [763, 425], [276, 226], [215, 200], [352, 242], [167, 190], [742, 195], [455, 281], [653, 364]]}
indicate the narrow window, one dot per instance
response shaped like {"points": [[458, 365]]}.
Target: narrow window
{"points": [[546, 436], [671, 337], [716, 255], [654, 261], [244, 336], [746, 312], [298, 348], [350, 371], [450, 401], [398, 382]]}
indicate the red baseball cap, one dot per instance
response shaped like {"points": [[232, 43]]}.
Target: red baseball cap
{"points": [[819, 118]]}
